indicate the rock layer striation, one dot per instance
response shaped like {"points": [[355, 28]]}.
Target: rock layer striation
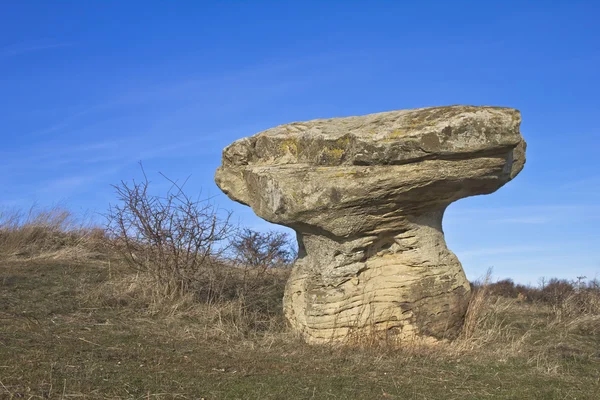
{"points": [[366, 196]]}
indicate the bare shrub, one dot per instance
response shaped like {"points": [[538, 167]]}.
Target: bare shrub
{"points": [[179, 247], [257, 283], [176, 239], [504, 287], [556, 291], [263, 249], [258, 254], [255, 302]]}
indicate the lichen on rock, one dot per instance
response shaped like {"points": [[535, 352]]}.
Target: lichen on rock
{"points": [[366, 196]]}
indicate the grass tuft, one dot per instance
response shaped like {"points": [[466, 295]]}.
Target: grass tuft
{"points": [[51, 233]]}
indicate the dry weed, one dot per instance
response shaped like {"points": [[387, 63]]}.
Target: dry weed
{"points": [[53, 232]]}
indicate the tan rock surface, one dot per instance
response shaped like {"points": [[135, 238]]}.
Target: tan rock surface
{"points": [[366, 196]]}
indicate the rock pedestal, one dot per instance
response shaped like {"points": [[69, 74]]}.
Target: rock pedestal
{"points": [[366, 196]]}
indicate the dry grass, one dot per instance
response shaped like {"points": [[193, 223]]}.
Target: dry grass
{"points": [[51, 233], [92, 328], [247, 306], [88, 330], [486, 322]]}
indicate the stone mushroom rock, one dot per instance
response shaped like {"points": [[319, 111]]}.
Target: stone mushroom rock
{"points": [[366, 196]]}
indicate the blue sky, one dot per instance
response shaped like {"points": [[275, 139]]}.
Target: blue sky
{"points": [[90, 88]]}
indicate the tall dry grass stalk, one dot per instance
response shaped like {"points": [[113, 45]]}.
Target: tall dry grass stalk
{"points": [[50, 232], [479, 311], [577, 311], [486, 324]]}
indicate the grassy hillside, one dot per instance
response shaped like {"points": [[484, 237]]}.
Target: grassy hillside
{"points": [[77, 322]]}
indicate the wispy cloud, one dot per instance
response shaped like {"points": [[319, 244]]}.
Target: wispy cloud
{"points": [[48, 156], [524, 215], [64, 123], [479, 211], [236, 89], [58, 170], [523, 220], [501, 250], [26, 48], [587, 186], [196, 146], [584, 183], [67, 185]]}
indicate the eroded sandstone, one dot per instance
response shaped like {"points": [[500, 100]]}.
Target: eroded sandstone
{"points": [[366, 196]]}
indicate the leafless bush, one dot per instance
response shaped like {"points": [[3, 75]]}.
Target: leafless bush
{"points": [[256, 299], [176, 239], [263, 249], [256, 280], [187, 248], [556, 291], [507, 288], [258, 253]]}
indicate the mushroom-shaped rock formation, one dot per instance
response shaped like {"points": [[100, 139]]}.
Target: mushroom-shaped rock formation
{"points": [[366, 196]]}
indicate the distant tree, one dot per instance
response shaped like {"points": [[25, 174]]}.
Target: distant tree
{"points": [[557, 290], [504, 287]]}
